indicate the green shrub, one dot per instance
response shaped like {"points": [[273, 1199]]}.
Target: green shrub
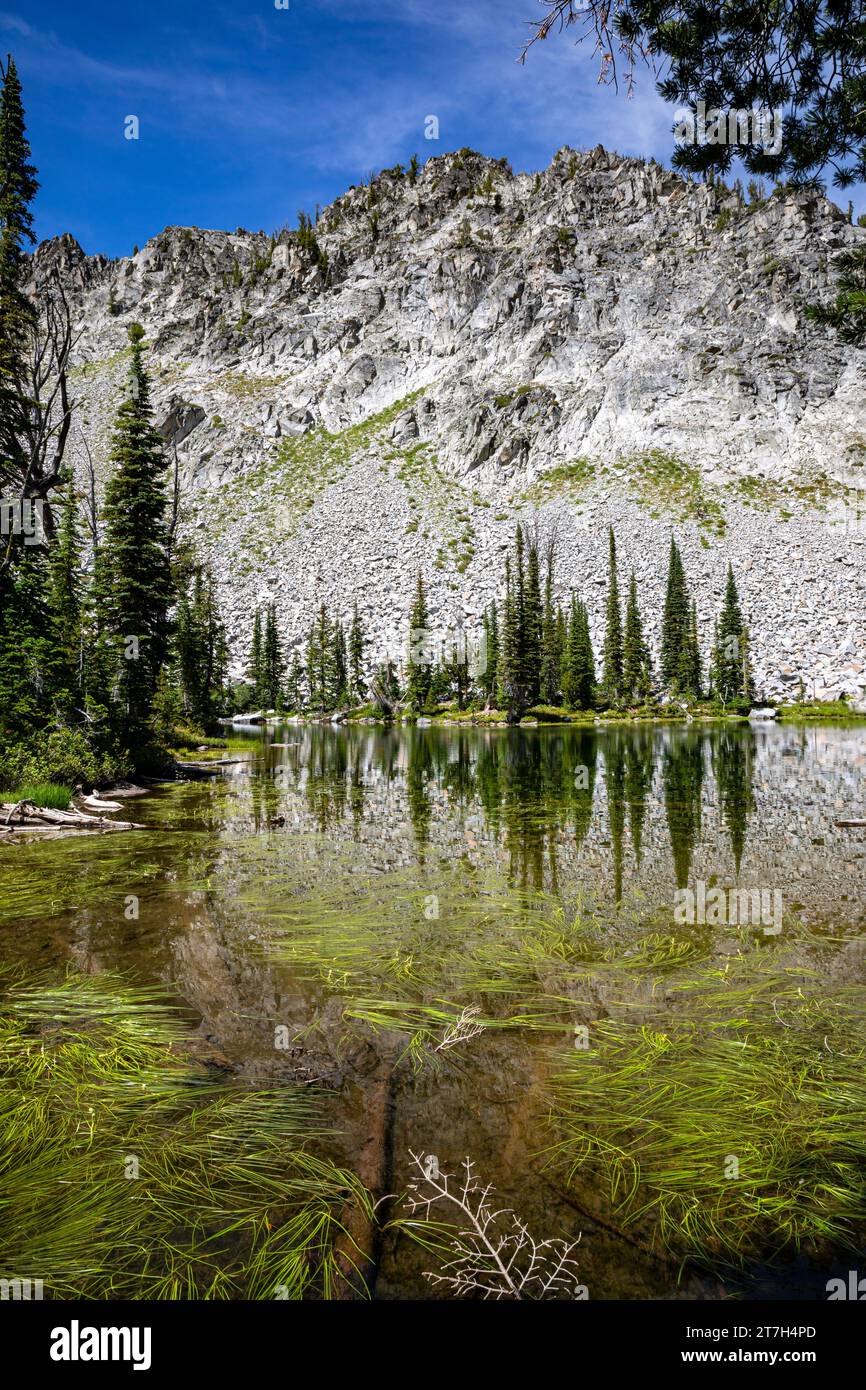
{"points": [[63, 757]]}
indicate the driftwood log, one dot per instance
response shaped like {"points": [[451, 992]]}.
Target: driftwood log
{"points": [[25, 815]]}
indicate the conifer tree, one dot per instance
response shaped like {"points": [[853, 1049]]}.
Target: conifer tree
{"points": [[18, 188], [635, 652], [579, 666], [357, 684], [255, 673], [490, 675], [201, 651], [272, 661], [136, 580], [509, 649], [729, 644], [533, 628], [28, 666], [585, 677], [320, 662], [295, 686], [551, 658], [419, 666], [675, 622], [612, 677]]}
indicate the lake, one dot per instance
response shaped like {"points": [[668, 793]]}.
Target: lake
{"points": [[475, 944]]}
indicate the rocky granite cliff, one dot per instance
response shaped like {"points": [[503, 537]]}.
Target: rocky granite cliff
{"points": [[601, 342]]}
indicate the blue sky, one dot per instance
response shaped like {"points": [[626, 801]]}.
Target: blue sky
{"points": [[248, 112]]}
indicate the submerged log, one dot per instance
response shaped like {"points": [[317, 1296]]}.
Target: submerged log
{"points": [[25, 815]]}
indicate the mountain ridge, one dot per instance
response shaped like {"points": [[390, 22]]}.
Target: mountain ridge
{"points": [[604, 342]]}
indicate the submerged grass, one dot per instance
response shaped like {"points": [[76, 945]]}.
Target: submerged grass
{"points": [[127, 1173], [734, 1120]]}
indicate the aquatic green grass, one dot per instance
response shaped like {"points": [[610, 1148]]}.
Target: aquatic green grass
{"points": [[50, 794], [97, 1081], [751, 1070], [408, 958]]}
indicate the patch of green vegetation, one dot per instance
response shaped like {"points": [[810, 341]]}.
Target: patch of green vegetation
{"points": [[746, 1063], [662, 480], [243, 386], [440, 500], [272, 496], [51, 794], [568, 478], [510, 396], [130, 1173], [100, 364], [818, 711]]}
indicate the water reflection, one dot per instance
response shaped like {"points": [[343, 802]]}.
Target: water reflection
{"points": [[623, 808]]}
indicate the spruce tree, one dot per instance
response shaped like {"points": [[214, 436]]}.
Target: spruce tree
{"points": [[636, 674], [201, 654], [419, 667], [731, 675], [18, 188], [136, 581], [578, 680], [341, 667], [272, 661], [533, 630], [28, 661], [295, 686], [675, 622], [509, 650], [612, 677], [357, 684], [551, 657], [255, 672], [584, 671], [490, 675]]}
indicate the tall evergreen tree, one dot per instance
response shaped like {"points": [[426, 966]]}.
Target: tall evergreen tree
{"points": [[551, 657], [295, 700], [533, 629], [509, 649], [419, 665], [320, 662], [136, 579], [201, 650], [612, 676], [272, 661], [730, 661], [579, 665], [675, 621], [357, 642], [489, 678], [636, 677], [18, 188]]}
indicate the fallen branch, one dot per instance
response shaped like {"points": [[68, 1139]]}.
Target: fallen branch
{"points": [[42, 817]]}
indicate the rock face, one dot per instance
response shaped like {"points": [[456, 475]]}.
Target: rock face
{"points": [[601, 343]]}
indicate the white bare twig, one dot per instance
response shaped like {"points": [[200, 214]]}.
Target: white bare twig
{"points": [[495, 1255], [462, 1029]]}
